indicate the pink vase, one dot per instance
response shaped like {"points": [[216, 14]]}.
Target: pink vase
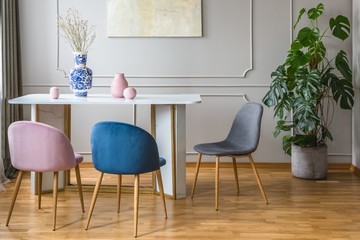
{"points": [[118, 85], [54, 92]]}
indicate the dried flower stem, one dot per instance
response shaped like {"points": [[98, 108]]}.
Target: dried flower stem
{"points": [[76, 31]]}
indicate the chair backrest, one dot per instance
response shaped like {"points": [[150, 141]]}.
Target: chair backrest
{"points": [[122, 148], [245, 130], [39, 147]]}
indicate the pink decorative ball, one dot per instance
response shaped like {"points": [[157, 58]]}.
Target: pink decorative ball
{"points": [[130, 93], [54, 92]]}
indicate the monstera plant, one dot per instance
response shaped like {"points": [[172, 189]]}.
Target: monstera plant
{"points": [[305, 88]]}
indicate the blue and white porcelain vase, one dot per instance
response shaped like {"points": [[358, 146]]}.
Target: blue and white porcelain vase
{"points": [[80, 77]]}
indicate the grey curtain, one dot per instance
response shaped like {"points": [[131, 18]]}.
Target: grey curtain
{"points": [[11, 84]]}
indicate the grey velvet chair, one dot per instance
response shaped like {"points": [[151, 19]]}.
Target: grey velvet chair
{"points": [[241, 141]]}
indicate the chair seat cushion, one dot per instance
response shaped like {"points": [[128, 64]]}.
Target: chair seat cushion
{"points": [[221, 148], [78, 158]]}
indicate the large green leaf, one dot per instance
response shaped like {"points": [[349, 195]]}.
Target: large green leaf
{"points": [[282, 125], [295, 45], [317, 52], [279, 95], [304, 116], [325, 134], [342, 88], [269, 99], [298, 139], [302, 11], [340, 27], [290, 73], [342, 64], [305, 140], [278, 87], [314, 13], [308, 83], [287, 142], [342, 91], [297, 59], [283, 105], [326, 76], [308, 36]]}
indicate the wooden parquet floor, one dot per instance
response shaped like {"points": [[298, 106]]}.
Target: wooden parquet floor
{"points": [[297, 210]]}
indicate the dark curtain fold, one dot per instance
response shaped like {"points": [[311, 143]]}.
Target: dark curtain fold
{"points": [[11, 75]]}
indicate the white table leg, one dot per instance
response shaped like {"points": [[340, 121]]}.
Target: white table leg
{"points": [[170, 137]]}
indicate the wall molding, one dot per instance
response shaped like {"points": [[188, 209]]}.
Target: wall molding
{"points": [[159, 85], [291, 21], [243, 75]]}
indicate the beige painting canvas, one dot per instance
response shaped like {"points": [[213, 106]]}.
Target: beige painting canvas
{"points": [[154, 18]]}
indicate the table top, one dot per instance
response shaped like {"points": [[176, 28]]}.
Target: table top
{"points": [[108, 99]]}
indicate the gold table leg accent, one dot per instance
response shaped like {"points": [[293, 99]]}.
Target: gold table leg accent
{"points": [[173, 148], [67, 131]]}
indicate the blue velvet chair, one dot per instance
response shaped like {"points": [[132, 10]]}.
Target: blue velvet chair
{"points": [[124, 149], [241, 141]]}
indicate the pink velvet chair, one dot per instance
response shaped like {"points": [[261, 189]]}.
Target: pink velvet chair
{"points": [[41, 148]]}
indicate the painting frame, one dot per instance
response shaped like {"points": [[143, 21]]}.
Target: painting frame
{"points": [[154, 18]]}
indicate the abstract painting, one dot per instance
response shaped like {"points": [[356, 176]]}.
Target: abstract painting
{"points": [[154, 18]]}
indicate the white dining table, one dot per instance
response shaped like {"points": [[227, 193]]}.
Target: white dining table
{"points": [[168, 126]]}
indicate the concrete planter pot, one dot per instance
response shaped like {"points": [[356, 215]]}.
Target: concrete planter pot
{"points": [[309, 162]]}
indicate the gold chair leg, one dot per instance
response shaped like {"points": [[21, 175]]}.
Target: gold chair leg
{"points": [[136, 203], [16, 191], [258, 178], [161, 188], [79, 185], [55, 195], [236, 174], [196, 174], [39, 187], [217, 182], [119, 192], [93, 201]]}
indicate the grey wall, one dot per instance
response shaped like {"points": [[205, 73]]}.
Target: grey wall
{"points": [[243, 42]]}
